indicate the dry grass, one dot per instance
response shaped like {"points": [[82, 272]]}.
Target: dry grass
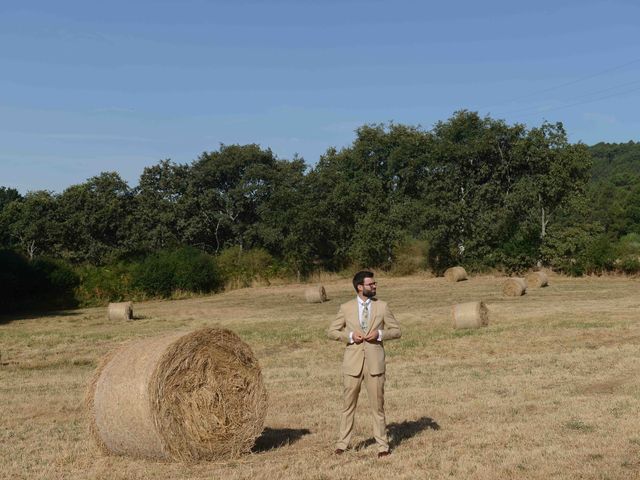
{"points": [[549, 389]]}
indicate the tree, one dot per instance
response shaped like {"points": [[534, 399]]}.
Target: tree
{"points": [[469, 184], [159, 206], [557, 170], [224, 193], [97, 219], [369, 194], [8, 195], [33, 224], [615, 177], [286, 223]]}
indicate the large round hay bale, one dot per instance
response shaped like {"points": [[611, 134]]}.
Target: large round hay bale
{"points": [[514, 287], [537, 280], [469, 315], [181, 396], [455, 274], [315, 294], [120, 311]]}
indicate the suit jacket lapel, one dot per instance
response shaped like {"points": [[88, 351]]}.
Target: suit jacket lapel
{"points": [[356, 315], [372, 315]]}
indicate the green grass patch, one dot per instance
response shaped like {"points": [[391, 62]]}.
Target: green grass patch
{"points": [[579, 426]]}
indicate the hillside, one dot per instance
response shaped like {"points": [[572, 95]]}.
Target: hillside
{"points": [[615, 159]]}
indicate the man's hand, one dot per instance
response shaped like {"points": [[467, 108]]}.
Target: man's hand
{"points": [[358, 338], [372, 337]]}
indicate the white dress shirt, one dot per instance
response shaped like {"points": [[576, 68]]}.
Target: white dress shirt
{"points": [[361, 304]]}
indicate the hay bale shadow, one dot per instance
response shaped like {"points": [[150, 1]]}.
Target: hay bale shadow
{"points": [[272, 438], [399, 432]]}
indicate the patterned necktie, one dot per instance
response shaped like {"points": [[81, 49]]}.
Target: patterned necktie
{"points": [[364, 321]]}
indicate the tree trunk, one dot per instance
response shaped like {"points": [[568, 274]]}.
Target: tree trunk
{"points": [[31, 249], [544, 219]]}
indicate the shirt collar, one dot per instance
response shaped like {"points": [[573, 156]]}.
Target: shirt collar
{"points": [[363, 302]]}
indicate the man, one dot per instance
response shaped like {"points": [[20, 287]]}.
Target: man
{"points": [[362, 324]]}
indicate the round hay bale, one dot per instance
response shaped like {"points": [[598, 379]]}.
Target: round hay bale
{"points": [[182, 396], [120, 311], [514, 287], [315, 294], [537, 280], [470, 315], [455, 274]]}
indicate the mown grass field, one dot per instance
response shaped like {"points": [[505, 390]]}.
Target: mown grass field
{"points": [[550, 389]]}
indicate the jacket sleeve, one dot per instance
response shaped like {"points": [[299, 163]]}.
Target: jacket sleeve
{"points": [[391, 328], [337, 329]]}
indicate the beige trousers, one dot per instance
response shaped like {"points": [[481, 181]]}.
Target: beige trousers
{"points": [[374, 385]]}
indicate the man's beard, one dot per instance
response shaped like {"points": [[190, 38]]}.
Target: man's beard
{"points": [[369, 293]]}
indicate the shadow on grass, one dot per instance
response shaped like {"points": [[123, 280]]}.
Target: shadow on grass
{"points": [[278, 437], [11, 317], [399, 432]]}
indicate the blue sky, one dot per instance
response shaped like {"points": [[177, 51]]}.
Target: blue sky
{"points": [[89, 86]]}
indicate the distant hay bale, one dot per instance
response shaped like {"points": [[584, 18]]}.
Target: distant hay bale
{"points": [[469, 315], [182, 396], [514, 287], [315, 294], [537, 280], [455, 274], [120, 311]]}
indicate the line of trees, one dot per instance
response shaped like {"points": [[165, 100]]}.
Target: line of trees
{"points": [[472, 190]]}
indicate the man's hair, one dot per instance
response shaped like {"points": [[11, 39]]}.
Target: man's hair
{"points": [[358, 278]]}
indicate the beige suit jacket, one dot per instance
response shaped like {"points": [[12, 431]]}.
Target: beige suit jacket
{"points": [[347, 320]]}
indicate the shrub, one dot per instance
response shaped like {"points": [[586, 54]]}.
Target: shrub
{"points": [[108, 283], [240, 268], [628, 245], [599, 255], [195, 271], [409, 257], [42, 284], [627, 252], [520, 251], [154, 276], [629, 265], [186, 269], [15, 279], [577, 250], [57, 276], [56, 283]]}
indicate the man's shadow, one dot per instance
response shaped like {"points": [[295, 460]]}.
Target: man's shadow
{"points": [[399, 432], [278, 437]]}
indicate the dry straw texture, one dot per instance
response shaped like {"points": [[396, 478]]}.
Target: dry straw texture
{"points": [[470, 315], [180, 396], [455, 274], [537, 280], [315, 294], [120, 311], [548, 390], [514, 287]]}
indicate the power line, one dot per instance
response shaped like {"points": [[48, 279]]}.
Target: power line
{"points": [[585, 95], [572, 82], [581, 103]]}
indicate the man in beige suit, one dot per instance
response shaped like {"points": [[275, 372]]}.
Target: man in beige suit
{"points": [[362, 324]]}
